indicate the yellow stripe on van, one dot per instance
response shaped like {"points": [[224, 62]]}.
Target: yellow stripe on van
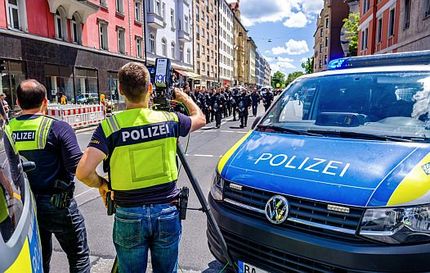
{"points": [[415, 185], [230, 152], [22, 263]]}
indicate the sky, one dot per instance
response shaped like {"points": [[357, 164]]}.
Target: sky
{"points": [[282, 29]]}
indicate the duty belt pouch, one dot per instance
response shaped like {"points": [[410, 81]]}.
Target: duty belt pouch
{"points": [[183, 202], [62, 199]]}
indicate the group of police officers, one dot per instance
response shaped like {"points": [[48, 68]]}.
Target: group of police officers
{"points": [[138, 150], [218, 103]]}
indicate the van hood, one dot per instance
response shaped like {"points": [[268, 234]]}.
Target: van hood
{"points": [[344, 171]]}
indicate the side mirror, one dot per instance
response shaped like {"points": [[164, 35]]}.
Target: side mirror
{"points": [[28, 166], [256, 121]]}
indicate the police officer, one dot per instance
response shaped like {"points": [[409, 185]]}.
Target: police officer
{"points": [[138, 147], [53, 146], [255, 98], [218, 104], [267, 99], [243, 104], [234, 101]]}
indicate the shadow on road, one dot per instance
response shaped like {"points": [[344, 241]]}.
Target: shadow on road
{"points": [[214, 267]]}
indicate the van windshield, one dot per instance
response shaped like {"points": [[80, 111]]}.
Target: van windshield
{"points": [[393, 106]]}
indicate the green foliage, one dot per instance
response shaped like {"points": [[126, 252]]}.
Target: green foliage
{"points": [[292, 77], [351, 26], [278, 80], [308, 65]]}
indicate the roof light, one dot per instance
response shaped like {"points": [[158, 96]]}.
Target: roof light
{"points": [[408, 58]]}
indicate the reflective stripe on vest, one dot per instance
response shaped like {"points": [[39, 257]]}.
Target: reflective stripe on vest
{"points": [[142, 153], [29, 134]]}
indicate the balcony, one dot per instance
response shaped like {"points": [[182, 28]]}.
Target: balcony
{"points": [[84, 7], [184, 36], [155, 21]]}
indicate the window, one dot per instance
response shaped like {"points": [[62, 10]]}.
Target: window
{"points": [[14, 14], [152, 43], [103, 3], [86, 86], [139, 47], [164, 47], [119, 6], [158, 7], [103, 35], [172, 18], [326, 42], [138, 11], [186, 26], [326, 22], [407, 14], [379, 31], [366, 5], [321, 32], [60, 24], [391, 23], [197, 13], [189, 56], [181, 53], [76, 29], [427, 8], [163, 12], [173, 48], [121, 40], [364, 37]]}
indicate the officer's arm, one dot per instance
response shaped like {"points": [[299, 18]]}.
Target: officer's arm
{"points": [[86, 171], [198, 119]]}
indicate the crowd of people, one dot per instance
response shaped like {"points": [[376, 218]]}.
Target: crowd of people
{"points": [[218, 103]]}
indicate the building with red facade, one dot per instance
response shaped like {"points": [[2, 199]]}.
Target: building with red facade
{"points": [[394, 26], [74, 47], [379, 26]]}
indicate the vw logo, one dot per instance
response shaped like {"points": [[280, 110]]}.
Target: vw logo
{"points": [[277, 209]]}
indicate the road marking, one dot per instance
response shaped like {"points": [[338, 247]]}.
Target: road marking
{"points": [[220, 131]]}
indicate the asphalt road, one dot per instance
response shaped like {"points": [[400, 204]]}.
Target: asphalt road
{"points": [[204, 150]]}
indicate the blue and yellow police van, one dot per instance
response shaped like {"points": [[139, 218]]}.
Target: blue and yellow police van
{"points": [[20, 250], [335, 177]]}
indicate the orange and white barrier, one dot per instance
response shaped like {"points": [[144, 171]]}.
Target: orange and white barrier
{"points": [[78, 116]]}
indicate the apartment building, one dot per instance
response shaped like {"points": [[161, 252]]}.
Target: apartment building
{"points": [[75, 48], [226, 43], [240, 35], [206, 42], [267, 74], [327, 45], [169, 25], [250, 55]]}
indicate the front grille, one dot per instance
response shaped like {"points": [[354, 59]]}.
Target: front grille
{"points": [[271, 259], [306, 215]]}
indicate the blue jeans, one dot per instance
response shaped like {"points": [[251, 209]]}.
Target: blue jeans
{"points": [[138, 229]]}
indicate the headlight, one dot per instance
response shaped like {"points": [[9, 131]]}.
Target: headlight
{"points": [[217, 187], [397, 225]]}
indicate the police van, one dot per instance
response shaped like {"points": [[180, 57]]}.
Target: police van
{"points": [[335, 177], [20, 250]]}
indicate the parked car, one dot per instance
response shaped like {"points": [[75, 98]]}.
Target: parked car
{"points": [[336, 176]]}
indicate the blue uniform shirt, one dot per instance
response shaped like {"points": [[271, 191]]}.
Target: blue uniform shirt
{"points": [[159, 194], [58, 160]]}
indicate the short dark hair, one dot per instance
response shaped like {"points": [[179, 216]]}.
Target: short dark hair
{"points": [[30, 94], [134, 80]]}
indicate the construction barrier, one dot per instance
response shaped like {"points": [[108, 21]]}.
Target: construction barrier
{"points": [[78, 116]]}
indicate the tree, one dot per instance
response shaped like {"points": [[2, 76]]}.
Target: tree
{"points": [[351, 33], [308, 65], [293, 76], [278, 80]]}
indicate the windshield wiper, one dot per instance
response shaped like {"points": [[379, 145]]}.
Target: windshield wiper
{"points": [[349, 134], [286, 130]]}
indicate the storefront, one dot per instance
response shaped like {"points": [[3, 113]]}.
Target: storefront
{"points": [[12, 74]]}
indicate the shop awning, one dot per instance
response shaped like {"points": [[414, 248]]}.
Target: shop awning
{"points": [[188, 74]]}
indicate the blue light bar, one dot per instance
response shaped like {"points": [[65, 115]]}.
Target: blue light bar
{"points": [[391, 59]]}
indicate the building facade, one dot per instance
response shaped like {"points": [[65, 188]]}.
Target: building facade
{"points": [[75, 48], [260, 67], [379, 26], [226, 44], [327, 45], [240, 35], [250, 55], [267, 74], [206, 42]]}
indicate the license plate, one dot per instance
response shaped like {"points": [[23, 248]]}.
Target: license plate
{"points": [[248, 268]]}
